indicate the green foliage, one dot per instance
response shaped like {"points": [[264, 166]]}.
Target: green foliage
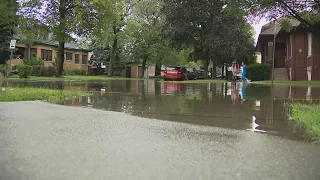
{"points": [[48, 71], [8, 18], [3, 69], [308, 116], [24, 71], [77, 72], [27, 94], [210, 27], [34, 62], [258, 72]]}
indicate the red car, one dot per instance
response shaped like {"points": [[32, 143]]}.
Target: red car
{"points": [[175, 73]]}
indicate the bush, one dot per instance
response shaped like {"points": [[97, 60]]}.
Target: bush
{"points": [[24, 71], [34, 62], [75, 72], [48, 71], [3, 69], [258, 72], [36, 70]]}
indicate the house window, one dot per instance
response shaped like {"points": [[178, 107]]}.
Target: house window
{"points": [[68, 56], [77, 58], [309, 44], [46, 55], [33, 52], [84, 59]]}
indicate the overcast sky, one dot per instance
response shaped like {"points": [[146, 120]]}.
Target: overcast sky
{"points": [[257, 27]]}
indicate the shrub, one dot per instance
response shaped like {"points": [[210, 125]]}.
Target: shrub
{"points": [[48, 71], [34, 62], [24, 71], [77, 72], [258, 72], [3, 69], [36, 71]]}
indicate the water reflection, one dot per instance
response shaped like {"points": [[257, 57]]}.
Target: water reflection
{"points": [[203, 104]]}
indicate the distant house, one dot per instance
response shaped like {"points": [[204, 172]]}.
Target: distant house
{"points": [[76, 57], [297, 53]]}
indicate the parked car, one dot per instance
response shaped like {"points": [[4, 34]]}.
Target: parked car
{"points": [[192, 74], [199, 72], [175, 73]]}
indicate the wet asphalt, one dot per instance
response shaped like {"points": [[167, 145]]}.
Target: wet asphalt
{"points": [[45, 141]]}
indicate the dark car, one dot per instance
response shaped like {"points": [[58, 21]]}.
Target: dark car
{"points": [[175, 73], [199, 72], [192, 74]]}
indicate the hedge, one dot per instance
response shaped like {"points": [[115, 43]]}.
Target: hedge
{"points": [[258, 72]]}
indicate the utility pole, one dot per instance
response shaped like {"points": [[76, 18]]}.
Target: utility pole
{"points": [[274, 48], [12, 47]]}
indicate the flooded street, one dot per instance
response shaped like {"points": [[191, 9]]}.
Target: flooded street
{"points": [[219, 105], [146, 129]]}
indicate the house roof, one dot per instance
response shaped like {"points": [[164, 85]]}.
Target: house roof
{"points": [[275, 27], [73, 45]]}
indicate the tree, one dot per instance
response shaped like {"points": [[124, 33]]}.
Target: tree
{"points": [[207, 26], [144, 27], [8, 18], [306, 11], [64, 18], [112, 26], [30, 31]]}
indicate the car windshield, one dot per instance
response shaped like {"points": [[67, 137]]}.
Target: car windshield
{"points": [[171, 68]]}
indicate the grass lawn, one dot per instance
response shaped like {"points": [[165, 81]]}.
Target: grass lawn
{"points": [[26, 94], [77, 78], [202, 81], [289, 83], [308, 116]]}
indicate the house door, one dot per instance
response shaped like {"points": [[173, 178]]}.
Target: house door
{"points": [[140, 71], [280, 54], [128, 72]]}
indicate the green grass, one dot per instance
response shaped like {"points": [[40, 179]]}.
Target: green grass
{"points": [[202, 81], [308, 116], [77, 78], [29, 94], [289, 83]]}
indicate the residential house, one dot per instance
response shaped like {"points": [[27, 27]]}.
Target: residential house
{"points": [[297, 52], [76, 57]]}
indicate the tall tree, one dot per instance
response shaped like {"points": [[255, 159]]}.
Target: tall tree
{"points": [[208, 26], [64, 18], [8, 22], [31, 31], [305, 11]]}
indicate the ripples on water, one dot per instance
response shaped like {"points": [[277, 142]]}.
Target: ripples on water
{"points": [[220, 104]]}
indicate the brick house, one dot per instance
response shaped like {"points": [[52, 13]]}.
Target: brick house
{"points": [[76, 57], [297, 53]]}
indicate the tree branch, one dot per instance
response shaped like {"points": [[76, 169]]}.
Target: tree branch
{"points": [[295, 14]]}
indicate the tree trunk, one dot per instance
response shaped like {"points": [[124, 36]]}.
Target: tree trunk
{"points": [[112, 57], [61, 36], [60, 59], [144, 65], [222, 71], [214, 69], [206, 69], [158, 70], [29, 52]]}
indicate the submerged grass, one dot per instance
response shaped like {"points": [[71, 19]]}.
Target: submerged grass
{"points": [[204, 81], [28, 94], [289, 83], [308, 116], [77, 78]]}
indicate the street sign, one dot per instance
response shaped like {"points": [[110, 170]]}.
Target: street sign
{"points": [[13, 44]]}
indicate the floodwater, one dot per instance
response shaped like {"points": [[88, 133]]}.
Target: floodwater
{"points": [[240, 106]]}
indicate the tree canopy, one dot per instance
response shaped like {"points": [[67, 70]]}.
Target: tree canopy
{"points": [[207, 26]]}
